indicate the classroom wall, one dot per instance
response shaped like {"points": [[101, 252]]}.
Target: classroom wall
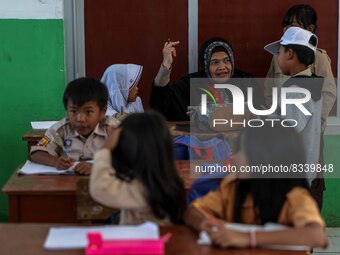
{"points": [[32, 76], [116, 33]]}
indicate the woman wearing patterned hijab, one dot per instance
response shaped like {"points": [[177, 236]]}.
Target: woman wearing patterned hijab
{"points": [[217, 62], [121, 81]]}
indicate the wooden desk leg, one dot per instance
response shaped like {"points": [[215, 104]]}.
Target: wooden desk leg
{"points": [[13, 202]]}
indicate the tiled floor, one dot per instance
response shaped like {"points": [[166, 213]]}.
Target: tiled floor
{"points": [[333, 235]]}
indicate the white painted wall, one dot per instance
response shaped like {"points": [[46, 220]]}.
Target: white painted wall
{"points": [[31, 9]]}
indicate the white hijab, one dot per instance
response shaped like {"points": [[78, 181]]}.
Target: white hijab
{"points": [[119, 79]]}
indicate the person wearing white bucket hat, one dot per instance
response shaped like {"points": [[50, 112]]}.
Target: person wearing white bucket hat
{"points": [[305, 16], [295, 52], [296, 36]]}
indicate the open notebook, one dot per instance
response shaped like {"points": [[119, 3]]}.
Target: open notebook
{"points": [[76, 237], [204, 238]]}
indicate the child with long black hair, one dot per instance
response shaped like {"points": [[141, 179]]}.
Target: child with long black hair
{"points": [[253, 198], [135, 171]]}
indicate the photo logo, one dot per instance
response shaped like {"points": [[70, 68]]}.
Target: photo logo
{"points": [[239, 101], [272, 114]]}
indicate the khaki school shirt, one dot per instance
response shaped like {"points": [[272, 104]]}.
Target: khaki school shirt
{"points": [[298, 210], [321, 67], [77, 146], [130, 197]]}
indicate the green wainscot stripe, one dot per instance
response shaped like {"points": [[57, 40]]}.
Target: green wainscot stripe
{"points": [[331, 206], [32, 81]]}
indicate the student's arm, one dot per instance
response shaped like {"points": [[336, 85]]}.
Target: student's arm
{"points": [[46, 152], [44, 158], [199, 221], [212, 206], [107, 188], [311, 235], [111, 191]]}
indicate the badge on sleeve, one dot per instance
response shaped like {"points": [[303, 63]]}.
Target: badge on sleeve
{"points": [[44, 141]]}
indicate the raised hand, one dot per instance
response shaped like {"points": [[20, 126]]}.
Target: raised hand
{"points": [[169, 51]]}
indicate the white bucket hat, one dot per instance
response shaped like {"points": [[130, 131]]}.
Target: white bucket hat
{"points": [[296, 36]]}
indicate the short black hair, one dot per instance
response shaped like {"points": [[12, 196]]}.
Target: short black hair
{"points": [[304, 54], [305, 15], [86, 89]]}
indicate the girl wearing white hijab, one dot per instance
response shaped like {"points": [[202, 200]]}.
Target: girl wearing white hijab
{"points": [[121, 81]]}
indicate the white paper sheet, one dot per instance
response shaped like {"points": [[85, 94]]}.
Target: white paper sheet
{"points": [[204, 238], [42, 124], [32, 168], [76, 237]]}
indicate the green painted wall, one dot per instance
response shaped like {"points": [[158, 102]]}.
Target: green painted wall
{"points": [[32, 80], [331, 207]]}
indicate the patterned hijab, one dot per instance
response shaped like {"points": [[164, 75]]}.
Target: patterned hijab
{"points": [[207, 51]]}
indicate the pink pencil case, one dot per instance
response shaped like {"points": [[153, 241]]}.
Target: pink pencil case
{"points": [[98, 246]]}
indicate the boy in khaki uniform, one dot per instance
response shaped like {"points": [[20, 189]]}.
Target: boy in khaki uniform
{"points": [[305, 16], [321, 67], [84, 130]]}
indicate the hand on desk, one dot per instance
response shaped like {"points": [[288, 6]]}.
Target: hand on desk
{"points": [[225, 237], [64, 163], [83, 168]]}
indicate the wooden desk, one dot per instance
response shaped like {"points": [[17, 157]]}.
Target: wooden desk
{"points": [[53, 198], [42, 198], [28, 239]]}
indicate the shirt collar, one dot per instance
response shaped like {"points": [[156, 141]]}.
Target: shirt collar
{"points": [[306, 72]]}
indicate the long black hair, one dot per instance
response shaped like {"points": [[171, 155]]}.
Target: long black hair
{"points": [[144, 152], [275, 146]]}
